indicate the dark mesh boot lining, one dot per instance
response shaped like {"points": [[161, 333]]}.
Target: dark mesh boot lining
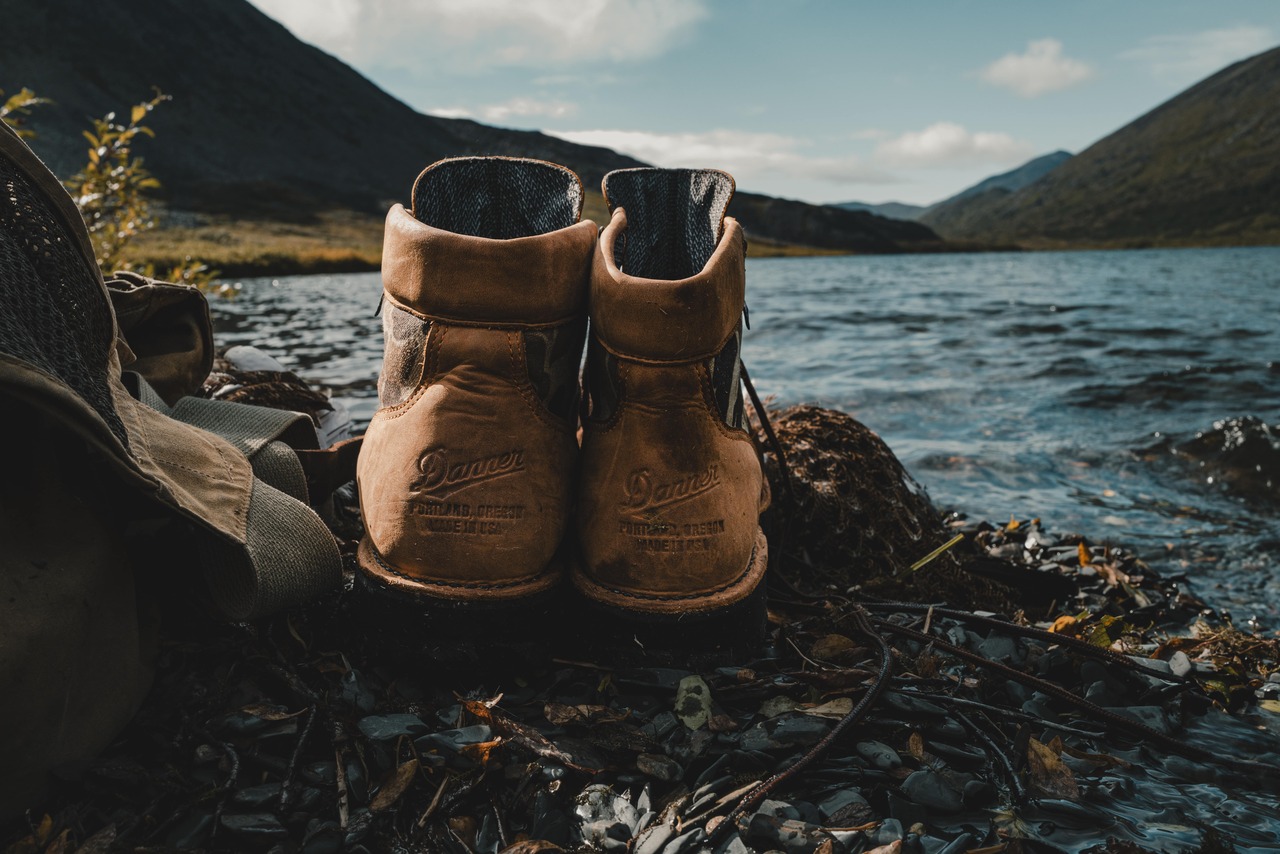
{"points": [[601, 382], [406, 338], [53, 313], [674, 219], [726, 380], [553, 357], [497, 197]]}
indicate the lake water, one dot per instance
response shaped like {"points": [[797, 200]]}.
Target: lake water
{"points": [[1030, 384]]}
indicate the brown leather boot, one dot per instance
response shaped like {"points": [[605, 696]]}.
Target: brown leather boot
{"points": [[467, 471], [671, 551]]}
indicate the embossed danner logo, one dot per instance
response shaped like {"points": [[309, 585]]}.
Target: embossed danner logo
{"points": [[441, 478], [642, 494]]}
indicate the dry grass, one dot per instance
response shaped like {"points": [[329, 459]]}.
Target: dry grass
{"points": [[334, 241]]}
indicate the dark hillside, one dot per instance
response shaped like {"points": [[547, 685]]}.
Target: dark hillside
{"points": [[263, 126], [1202, 168]]}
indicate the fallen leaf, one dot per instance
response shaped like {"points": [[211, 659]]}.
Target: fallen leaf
{"points": [[1272, 706], [722, 723], [532, 846], [561, 714], [1064, 625], [832, 648], [915, 746], [834, 709], [1103, 759], [693, 702], [1013, 524], [100, 842], [394, 786], [480, 751], [1083, 552], [59, 845], [894, 847], [1049, 776], [268, 712], [775, 706]]}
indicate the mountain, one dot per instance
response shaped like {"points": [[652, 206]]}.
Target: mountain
{"points": [[1203, 168], [1014, 179], [263, 126], [893, 210]]}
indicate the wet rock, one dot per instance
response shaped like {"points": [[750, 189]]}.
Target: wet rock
{"points": [[1000, 648], [841, 800], [453, 740], [191, 832], [757, 738], [794, 837], [801, 730], [254, 826], [353, 692], [387, 727], [977, 793], [916, 707], [780, 810], [880, 755], [931, 789], [1180, 664], [322, 838], [1151, 716], [659, 767], [256, 796], [686, 843], [890, 830]]}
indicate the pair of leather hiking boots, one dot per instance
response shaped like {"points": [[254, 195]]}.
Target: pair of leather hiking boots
{"points": [[480, 494]]}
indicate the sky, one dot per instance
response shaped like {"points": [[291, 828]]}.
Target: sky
{"points": [[820, 100]]}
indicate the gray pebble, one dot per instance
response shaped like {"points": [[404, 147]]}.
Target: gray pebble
{"points": [[880, 755], [932, 790], [1181, 665]]}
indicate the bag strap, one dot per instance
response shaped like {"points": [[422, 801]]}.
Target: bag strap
{"points": [[289, 557]]}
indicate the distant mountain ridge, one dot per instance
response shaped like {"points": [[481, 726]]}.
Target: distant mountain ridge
{"points": [[893, 210], [1203, 168], [1014, 179], [264, 125]]}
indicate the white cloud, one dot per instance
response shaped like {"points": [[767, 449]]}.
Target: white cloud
{"points": [[747, 156], [1040, 70], [472, 34], [947, 144], [1194, 55], [516, 107]]}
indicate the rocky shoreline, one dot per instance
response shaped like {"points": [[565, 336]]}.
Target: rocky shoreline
{"points": [[931, 685]]}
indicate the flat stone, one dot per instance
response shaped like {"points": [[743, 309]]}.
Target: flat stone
{"points": [[659, 767], [757, 738], [387, 727], [880, 755], [256, 796], [930, 789], [257, 825], [1180, 664], [840, 800], [801, 730], [1000, 648], [1152, 716]]}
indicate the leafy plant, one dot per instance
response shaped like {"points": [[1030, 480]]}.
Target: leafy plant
{"points": [[14, 111], [111, 190]]}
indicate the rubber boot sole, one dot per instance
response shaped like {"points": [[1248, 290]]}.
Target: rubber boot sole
{"points": [[458, 624], [691, 631]]}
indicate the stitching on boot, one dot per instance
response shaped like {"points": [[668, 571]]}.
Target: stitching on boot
{"points": [[651, 597], [462, 585]]}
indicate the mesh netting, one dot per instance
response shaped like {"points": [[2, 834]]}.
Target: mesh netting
{"points": [[497, 197], [53, 314], [674, 219], [406, 345]]}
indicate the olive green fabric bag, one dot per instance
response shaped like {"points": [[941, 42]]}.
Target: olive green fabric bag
{"points": [[97, 457]]}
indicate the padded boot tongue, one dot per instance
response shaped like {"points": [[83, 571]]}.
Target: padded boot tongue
{"points": [[497, 197], [674, 219]]}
